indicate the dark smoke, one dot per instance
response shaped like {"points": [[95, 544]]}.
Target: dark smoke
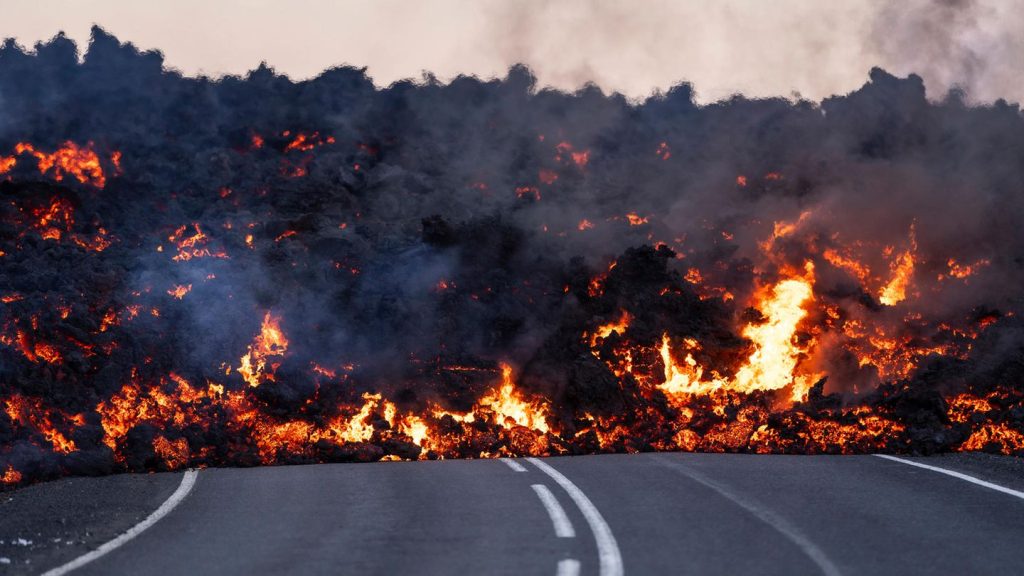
{"points": [[427, 183]]}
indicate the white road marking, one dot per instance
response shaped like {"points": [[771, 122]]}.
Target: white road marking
{"points": [[609, 557], [568, 567], [187, 481], [810, 549], [513, 464], [563, 527], [959, 475]]}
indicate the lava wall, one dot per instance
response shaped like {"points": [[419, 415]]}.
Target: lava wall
{"points": [[244, 271]]}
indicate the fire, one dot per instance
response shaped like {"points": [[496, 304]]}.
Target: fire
{"points": [[180, 291], [895, 291], [963, 406], [82, 163], [531, 192], [635, 220], [358, 428], [962, 271], [771, 366], [606, 330], [268, 343], [10, 476], [30, 412], [510, 408], [745, 310], [566, 153], [687, 378], [845, 262], [775, 355], [1008, 440], [303, 142], [192, 244], [174, 452]]}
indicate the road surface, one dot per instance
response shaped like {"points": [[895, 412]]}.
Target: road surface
{"points": [[608, 515]]}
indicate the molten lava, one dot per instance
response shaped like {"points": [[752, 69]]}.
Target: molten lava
{"points": [[442, 280]]}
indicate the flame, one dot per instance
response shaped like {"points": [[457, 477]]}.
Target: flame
{"points": [[775, 355], [846, 262], [510, 408], [70, 159], [358, 428], [902, 275], [268, 343], [686, 378], [192, 245], [635, 220], [771, 366], [528, 192], [566, 152], [606, 330], [303, 142], [180, 290], [962, 271], [10, 476]]}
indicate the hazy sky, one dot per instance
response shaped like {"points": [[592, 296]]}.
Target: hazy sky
{"points": [[760, 48]]}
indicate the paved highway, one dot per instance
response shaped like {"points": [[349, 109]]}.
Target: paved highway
{"points": [[604, 515]]}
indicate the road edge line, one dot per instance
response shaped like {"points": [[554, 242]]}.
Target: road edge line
{"points": [[609, 557], [188, 480], [955, 474], [811, 550]]}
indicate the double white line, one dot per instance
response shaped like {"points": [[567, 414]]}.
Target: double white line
{"points": [[609, 557]]}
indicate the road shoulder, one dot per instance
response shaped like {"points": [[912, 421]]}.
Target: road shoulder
{"points": [[45, 525]]}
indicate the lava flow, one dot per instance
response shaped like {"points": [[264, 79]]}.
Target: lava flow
{"points": [[249, 270]]}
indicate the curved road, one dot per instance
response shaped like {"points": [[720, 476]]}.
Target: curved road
{"points": [[608, 515]]}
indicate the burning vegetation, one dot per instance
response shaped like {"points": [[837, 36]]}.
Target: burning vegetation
{"points": [[256, 271]]}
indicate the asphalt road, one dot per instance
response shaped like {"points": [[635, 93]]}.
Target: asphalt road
{"points": [[611, 514]]}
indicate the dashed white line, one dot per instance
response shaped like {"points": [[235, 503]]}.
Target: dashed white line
{"points": [[959, 475], [810, 549], [563, 527], [187, 481], [513, 464], [568, 567], [609, 557]]}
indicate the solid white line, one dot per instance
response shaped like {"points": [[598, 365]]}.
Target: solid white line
{"points": [[513, 465], [563, 527], [608, 554], [568, 567], [959, 475], [817, 555], [187, 481]]}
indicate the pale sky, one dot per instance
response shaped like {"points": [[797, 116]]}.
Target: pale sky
{"points": [[757, 47]]}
